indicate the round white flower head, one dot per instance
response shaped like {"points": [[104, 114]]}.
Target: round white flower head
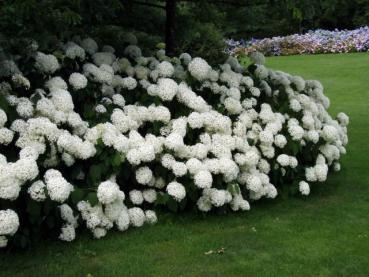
{"points": [[144, 175], [136, 216], [151, 217], [3, 118], [57, 187], [123, 220], [304, 188], [100, 109], [136, 197], [77, 81], [107, 192], [9, 222], [100, 58], [119, 100], [204, 204], [8, 68], [176, 190], [6, 136], [99, 233], [37, 191], [185, 58], [336, 166], [166, 89], [295, 105], [89, 45], [129, 83], [179, 169], [73, 51], [47, 64], [55, 83], [165, 69], [199, 69], [280, 141], [66, 213], [149, 195], [343, 119], [283, 160], [329, 133], [68, 233], [132, 51], [203, 179]]}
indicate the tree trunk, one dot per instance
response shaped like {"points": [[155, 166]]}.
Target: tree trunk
{"points": [[170, 9]]}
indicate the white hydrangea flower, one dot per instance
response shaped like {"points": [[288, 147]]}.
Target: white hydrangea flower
{"points": [[3, 118], [304, 188], [165, 69], [20, 81], [136, 197], [73, 51], [89, 45], [77, 81], [136, 216], [107, 192], [37, 191], [149, 195], [343, 119], [151, 217], [199, 69], [100, 58], [67, 233], [283, 160], [6, 136], [179, 169], [56, 83], [133, 51], [100, 109], [176, 190], [185, 58], [9, 222], [144, 175], [57, 187], [204, 204], [46, 64], [203, 179]]}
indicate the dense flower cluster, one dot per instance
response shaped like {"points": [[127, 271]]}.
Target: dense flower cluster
{"points": [[312, 42], [102, 140]]}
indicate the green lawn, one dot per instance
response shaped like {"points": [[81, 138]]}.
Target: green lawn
{"points": [[326, 234]]}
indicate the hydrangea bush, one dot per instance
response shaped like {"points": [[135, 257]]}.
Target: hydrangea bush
{"points": [[92, 140], [313, 42]]}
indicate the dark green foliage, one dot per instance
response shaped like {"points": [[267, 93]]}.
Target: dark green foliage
{"points": [[199, 28]]}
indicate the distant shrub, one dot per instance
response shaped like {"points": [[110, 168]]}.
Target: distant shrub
{"points": [[313, 42]]}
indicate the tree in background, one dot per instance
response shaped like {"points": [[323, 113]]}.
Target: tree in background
{"points": [[198, 27]]}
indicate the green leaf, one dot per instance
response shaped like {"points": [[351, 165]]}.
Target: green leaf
{"points": [[92, 198], [50, 221], [4, 105], [116, 160], [233, 188], [162, 199], [95, 174], [33, 208], [76, 195], [172, 205]]}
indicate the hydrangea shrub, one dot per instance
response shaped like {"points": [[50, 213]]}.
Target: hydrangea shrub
{"points": [[92, 140]]}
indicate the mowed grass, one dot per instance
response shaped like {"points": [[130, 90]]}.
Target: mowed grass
{"points": [[326, 234]]}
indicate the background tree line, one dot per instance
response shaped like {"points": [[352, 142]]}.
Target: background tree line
{"points": [[198, 27]]}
